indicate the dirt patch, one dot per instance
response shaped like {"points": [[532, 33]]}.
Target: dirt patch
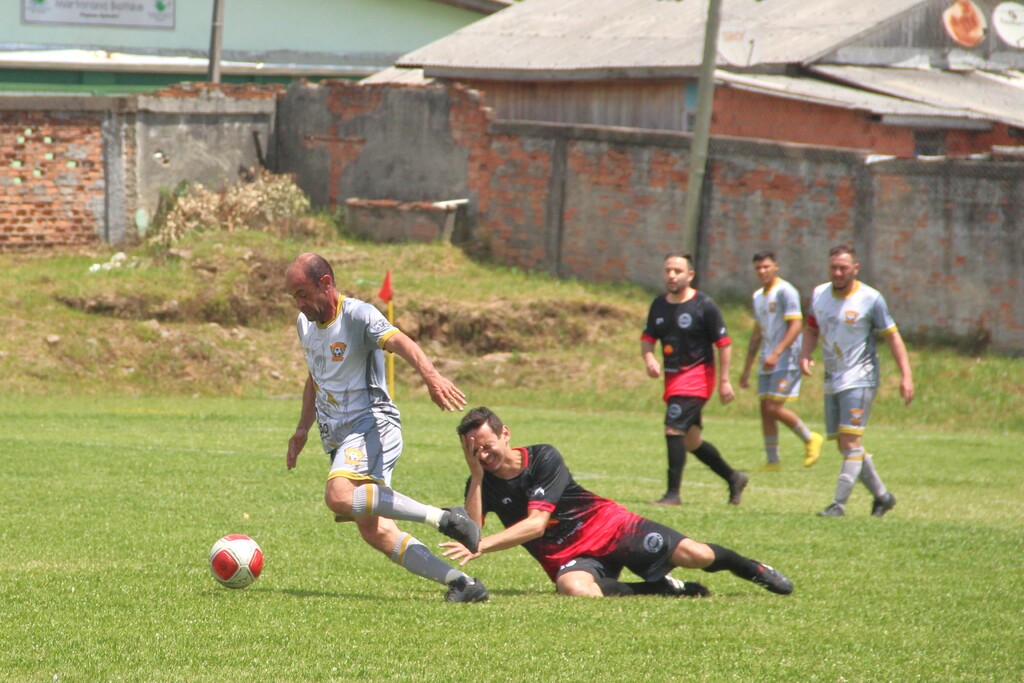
{"points": [[251, 299], [513, 325]]}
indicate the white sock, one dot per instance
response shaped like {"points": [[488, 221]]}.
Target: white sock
{"points": [[853, 461], [801, 430], [869, 476], [374, 500], [413, 556]]}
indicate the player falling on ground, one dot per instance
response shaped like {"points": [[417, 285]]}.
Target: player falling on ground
{"points": [[775, 343], [347, 396], [847, 315], [582, 540]]}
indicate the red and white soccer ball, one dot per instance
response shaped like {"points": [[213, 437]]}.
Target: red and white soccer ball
{"points": [[236, 561]]}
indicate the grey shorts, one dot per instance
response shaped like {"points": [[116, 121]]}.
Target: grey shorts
{"points": [[781, 385], [847, 411], [370, 456]]}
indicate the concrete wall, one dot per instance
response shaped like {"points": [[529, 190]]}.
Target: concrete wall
{"points": [[78, 170], [943, 241], [344, 140]]}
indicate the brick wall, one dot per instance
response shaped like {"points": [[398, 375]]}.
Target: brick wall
{"points": [[745, 114], [605, 204], [51, 178], [76, 170]]}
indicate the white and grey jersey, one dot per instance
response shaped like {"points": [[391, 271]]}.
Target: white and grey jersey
{"points": [[848, 327], [346, 361], [774, 307]]}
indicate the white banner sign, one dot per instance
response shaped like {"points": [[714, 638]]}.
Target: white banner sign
{"points": [[123, 13]]}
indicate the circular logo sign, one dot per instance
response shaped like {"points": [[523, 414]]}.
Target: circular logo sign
{"points": [[654, 542], [1008, 21], [964, 23]]}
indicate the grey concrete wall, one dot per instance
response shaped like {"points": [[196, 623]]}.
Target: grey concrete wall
{"points": [[205, 137], [371, 142]]}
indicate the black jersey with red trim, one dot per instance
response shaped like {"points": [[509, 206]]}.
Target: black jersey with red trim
{"points": [[688, 333], [582, 523]]}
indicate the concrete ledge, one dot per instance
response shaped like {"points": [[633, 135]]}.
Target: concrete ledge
{"points": [[391, 220]]}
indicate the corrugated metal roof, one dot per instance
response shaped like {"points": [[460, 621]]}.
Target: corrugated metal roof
{"points": [[833, 95], [560, 39], [998, 97]]}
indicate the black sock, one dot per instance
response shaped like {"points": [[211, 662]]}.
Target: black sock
{"points": [[676, 461], [730, 560], [616, 588], [710, 456]]}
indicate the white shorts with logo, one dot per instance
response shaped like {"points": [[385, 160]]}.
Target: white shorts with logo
{"points": [[847, 411], [781, 385], [369, 456]]}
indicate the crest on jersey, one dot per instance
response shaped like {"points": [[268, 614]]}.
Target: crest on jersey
{"points": [[685, 320], [654, 542], [338, 351], [537, 492], [772, 305], [850, 317], [353, 456]]}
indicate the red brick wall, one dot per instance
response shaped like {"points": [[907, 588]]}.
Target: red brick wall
{"points": [[51, 179], [745, 114], [605, 204]]}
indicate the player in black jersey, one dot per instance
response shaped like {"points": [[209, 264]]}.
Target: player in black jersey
{"points": [[690, 327], [582, 540]]}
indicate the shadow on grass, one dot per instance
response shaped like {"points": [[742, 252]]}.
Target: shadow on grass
{"points": [[303, 593]]}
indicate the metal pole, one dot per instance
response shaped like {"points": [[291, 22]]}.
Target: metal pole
{"points": [[702, 129], [216, 31]]}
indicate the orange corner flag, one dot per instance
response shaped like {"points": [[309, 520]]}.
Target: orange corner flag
{"points": [[385, 292]]}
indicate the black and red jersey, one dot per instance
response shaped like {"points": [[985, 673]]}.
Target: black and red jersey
{"points": [[582, 523], [688, 333]]}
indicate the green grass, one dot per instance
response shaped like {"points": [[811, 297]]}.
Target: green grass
{"points": [[128, 446], [110, 506]]}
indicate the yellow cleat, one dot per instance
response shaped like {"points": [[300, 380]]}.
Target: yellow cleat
{"points": [[813, 449]]}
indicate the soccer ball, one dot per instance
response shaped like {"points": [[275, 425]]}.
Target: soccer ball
{"points": [[236, 561]]}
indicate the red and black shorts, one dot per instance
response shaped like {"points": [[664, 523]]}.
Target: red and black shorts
{"points": [[683, 412], [645, 548]]}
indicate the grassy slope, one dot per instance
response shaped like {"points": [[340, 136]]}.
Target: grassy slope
{"points": [[539, 341]]}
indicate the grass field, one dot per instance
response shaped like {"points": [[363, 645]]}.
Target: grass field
{"points": [[110, 506], [134, 433]]}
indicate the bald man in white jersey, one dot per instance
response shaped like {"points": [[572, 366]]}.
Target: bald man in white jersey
{"points": [[848, 315], [346, 393]]}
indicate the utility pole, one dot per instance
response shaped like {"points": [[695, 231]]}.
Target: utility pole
{"points": [[216, 31], [702, 129]]}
